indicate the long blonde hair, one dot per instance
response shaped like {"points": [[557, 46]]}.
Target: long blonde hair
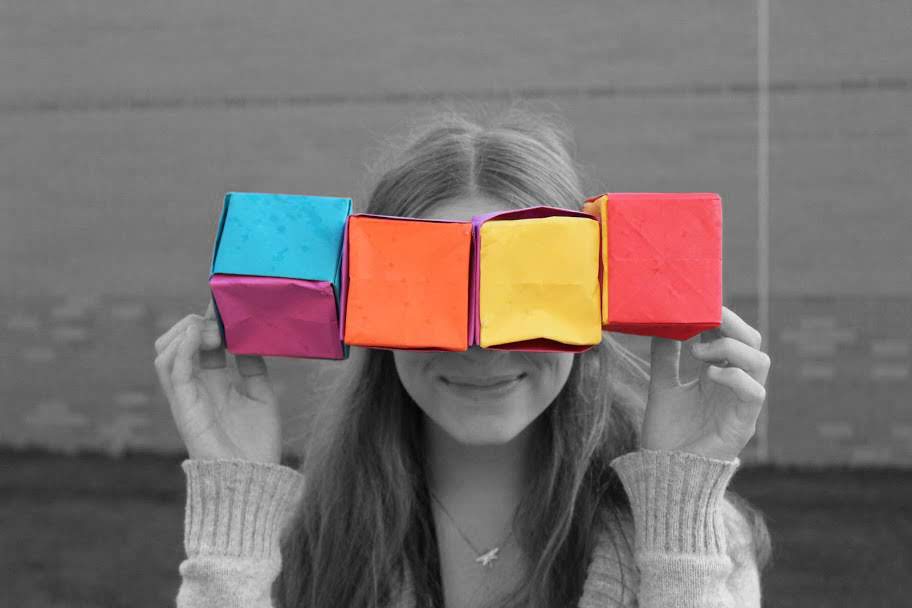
{"points": [[365, 516]]}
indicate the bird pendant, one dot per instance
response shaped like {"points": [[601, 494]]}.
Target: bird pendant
{"points": [[488, 557]]}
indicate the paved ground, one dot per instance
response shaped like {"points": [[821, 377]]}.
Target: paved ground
{"points": [[839, 538], [122, 124]]}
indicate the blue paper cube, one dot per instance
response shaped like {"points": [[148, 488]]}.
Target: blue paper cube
{"points": [[285, 236]]}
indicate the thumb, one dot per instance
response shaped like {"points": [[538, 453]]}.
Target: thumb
{"points": [[254, 377], [664, 362]]}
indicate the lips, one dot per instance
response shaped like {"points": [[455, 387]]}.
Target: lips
{"points": [[482, 381]]}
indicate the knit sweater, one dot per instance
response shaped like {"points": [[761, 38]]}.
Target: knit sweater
{"points": [[691, 547]]}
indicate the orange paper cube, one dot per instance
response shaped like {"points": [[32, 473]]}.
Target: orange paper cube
{"points": [[407, 283]]}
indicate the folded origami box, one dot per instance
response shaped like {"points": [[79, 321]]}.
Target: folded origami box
{"points": [[661, 262], [276, 274], [406, 283], [536, 284]]}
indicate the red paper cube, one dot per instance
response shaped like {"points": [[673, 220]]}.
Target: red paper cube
{"points": [[662, 262]]}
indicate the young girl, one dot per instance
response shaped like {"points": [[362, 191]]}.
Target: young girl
{"points": [[477, 478]]}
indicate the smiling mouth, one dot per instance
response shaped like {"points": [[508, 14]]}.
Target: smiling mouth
{"points": [[483, 383]]}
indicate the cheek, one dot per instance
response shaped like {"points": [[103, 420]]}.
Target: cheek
{"points": [[413, 373], [552, 371]]}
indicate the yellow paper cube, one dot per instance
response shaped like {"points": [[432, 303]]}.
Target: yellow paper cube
{"points": [[538, 278]]}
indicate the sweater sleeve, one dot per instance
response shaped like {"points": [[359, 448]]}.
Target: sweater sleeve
{"points": [[234, 516], [687, 551]]}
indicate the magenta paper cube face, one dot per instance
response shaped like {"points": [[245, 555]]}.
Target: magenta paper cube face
{"points": [[277, 317]]}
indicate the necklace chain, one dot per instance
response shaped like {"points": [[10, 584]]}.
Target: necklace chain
{"points": [[484, 558]]}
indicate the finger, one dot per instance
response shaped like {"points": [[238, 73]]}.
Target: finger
{"points": [[163, 363], [212, 356], [214, 373], [664, 361], [182, 371], [746, 388], [709, 336], [755, 362], [738, 328], [212, 361], [211, 338], [255, 381], [162, 342]]}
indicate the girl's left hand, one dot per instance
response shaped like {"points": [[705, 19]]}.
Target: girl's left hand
{"points": [[714, 415]]}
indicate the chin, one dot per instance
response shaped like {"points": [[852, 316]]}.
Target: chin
{"points": [[486, 431]]}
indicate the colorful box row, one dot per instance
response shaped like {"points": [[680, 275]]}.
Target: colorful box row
{"points": [[301, 276]]}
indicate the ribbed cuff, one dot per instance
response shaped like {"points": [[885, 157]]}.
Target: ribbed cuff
{"points": [[677, 499], [237, 507]]}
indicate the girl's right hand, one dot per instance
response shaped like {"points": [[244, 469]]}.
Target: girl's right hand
{"points": [[217, 416]]}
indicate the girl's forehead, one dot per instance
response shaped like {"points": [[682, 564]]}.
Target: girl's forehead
{"points": [[463, 208]]}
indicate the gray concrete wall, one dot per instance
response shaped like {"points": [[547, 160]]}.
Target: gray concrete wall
{"points": [[123, 123]]}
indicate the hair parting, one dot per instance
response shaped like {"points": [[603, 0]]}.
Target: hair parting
{"points": [[363, 528]]}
